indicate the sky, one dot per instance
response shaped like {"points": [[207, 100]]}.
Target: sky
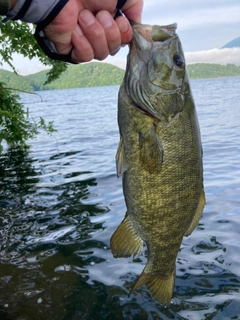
{"points": [[204, 26]]}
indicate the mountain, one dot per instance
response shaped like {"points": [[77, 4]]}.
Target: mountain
{"points": [[15, 81], [235, 43], [76, 76], [102, 74], [88, 75]]}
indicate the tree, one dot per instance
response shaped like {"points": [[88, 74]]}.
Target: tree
{"points": [[18, 37], [15, 126]]}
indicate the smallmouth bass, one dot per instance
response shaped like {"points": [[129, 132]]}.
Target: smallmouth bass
{"points": [[159, 157]]}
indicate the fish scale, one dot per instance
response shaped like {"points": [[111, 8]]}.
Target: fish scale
{"points": [[159, 157]]}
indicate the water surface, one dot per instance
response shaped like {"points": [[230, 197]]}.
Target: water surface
{"points": [[60, 202]]}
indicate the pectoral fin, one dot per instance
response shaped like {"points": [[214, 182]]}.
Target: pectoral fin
{"points": [[197, 215], [151, 150], [125, 241], [120, 159]]}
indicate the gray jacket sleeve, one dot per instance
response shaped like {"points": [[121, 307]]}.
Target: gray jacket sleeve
{"points": [[33, 11], [41, 13]]}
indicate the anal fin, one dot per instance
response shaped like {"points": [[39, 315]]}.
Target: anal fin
{"points": [[197, 215], [125, 241]]}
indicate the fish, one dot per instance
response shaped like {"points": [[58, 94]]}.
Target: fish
{"points": [[159, 157]]}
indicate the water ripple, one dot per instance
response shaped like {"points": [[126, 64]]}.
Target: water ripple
{"points": [[60, 201]]}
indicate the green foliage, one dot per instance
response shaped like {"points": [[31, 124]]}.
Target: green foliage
{"points": [[77, 76], [15, 125], [88, 75], [207, 70], [15, 81], [103, 74], [17, 37]]}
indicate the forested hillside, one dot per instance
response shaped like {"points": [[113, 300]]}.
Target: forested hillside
{"points": [[102, 74], [207, 70]]}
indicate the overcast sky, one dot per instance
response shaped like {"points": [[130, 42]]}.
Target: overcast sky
{"points": [[204, 26]]}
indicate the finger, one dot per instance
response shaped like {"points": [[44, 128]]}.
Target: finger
{"points": [[96, 6], [133, 10], [125, 29], [112, 32], [82, 49], [94, 33], [62, 42]]}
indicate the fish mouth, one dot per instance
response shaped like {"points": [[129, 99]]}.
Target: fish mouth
{"points": [[153, 33], [158, 50], [152, 72]]}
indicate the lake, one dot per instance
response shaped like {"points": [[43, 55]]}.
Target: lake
{"points": [[60, 202]]}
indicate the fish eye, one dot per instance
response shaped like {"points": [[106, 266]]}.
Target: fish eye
{"points": [[178, 60]]}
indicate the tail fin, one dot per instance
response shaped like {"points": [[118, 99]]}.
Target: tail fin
{"points": [[125, 241], [160, 286]]}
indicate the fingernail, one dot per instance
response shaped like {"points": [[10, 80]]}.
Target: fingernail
{"points": [[107, 21], [86, 18], [123, 24]]}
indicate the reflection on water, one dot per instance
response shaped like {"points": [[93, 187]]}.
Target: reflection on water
{"points": [[60, 201]]}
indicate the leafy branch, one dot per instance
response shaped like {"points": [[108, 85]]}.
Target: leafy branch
{"points": [[15, 125]]}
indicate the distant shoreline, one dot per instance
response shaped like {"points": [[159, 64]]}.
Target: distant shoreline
{"points": [[103, 74]]}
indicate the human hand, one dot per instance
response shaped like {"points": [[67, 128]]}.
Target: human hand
{"points": [[88, 27]]}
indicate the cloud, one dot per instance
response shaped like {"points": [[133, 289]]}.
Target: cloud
{"points": [[202, 25], [119, 59], [191, 14], [219, 56], [32, 70], [24, 66]]}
